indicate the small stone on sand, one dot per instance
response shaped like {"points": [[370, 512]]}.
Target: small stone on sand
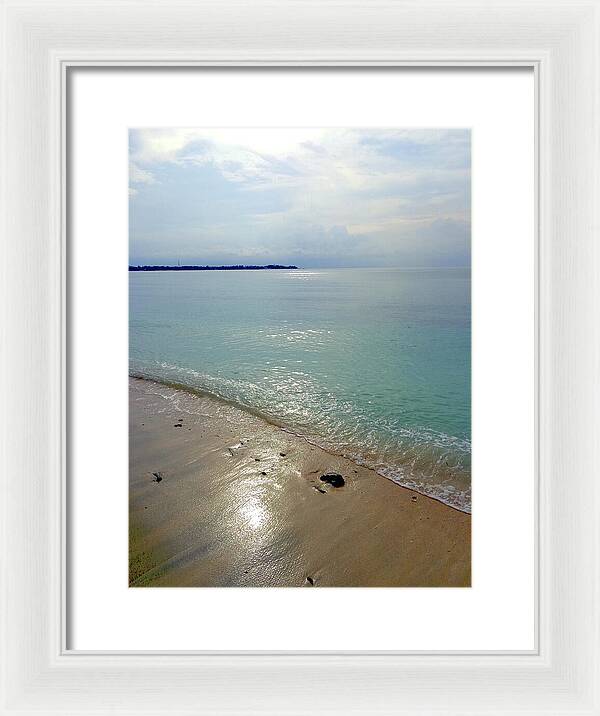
{"points": [[333, 479]]}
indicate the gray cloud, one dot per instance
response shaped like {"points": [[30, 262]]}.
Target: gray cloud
{"points": [[313, 197]]}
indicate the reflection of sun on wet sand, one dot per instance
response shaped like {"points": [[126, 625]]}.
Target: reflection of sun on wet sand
{"points": [[219, 497]]}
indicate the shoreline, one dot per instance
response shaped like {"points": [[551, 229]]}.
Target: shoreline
{"points": [[207, 393], [240, 503]]}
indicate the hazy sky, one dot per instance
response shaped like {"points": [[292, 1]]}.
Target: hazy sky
{"points": [[312, 197]]}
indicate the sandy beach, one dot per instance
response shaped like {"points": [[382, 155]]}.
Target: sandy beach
{"points": [[221, 498]]}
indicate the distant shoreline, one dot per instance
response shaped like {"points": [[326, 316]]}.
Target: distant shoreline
{"points": [[238, 267]]}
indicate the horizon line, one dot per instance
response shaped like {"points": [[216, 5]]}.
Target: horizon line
{"points": [[139, 266], [206, 267]]}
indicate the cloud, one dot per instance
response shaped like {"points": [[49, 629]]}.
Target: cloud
{"points": [[325, 195], [140, 176]]}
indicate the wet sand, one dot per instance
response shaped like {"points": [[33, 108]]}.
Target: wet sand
{"points": [[239, 503]]}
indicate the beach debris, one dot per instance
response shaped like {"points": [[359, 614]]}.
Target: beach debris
{"points": [[158, 476], [282, 454], [320, 489], [414, 498], [310, 580], [237, 446], [257, 459], [333, 478], [263, 473]]}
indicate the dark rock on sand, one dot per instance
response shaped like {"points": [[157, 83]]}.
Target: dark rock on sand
{"points": [[158, 476], [333, 479], [310, 580]]}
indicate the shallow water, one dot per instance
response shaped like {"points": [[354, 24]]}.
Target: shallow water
{"points": [[373, 364]]}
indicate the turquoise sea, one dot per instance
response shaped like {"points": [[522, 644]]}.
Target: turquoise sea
{"points": [[374, 364]]}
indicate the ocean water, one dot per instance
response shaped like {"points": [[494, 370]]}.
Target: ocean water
{"points": [[374, 364]]}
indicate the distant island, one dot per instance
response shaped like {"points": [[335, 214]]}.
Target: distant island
{"points": [[238, 267]]}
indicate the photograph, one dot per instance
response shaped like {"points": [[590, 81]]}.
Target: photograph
{"points": [[299, 357]]}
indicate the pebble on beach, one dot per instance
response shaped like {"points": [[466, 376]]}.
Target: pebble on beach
{"points": [[334, 479]]}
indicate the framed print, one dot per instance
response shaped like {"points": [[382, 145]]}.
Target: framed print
{"points": [[300, 344]]}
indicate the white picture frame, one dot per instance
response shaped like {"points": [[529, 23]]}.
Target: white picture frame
{"points": [[40, 42]]}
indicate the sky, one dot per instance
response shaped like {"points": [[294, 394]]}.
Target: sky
{"points": [[309, 197]]}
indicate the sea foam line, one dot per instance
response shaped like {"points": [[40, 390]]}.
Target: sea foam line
{"points": [[457, 499]]}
